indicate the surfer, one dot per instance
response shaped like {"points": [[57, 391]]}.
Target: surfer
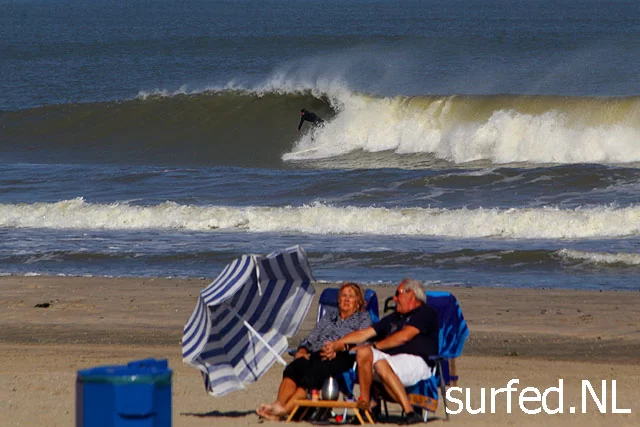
{"points": [[306, 115]]}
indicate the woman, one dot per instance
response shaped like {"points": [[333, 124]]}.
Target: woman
{"points": [[309, 370]]}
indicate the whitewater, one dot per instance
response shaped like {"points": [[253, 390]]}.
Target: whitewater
{"points": [[545, 223], [464, 129]]}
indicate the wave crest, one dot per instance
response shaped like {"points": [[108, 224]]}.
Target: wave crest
{"points": [[543, 223], [496, 129]]}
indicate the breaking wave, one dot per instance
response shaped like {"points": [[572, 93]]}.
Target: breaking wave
{"points": [[520, 223], [602, 258], [236, 126], [497, 129]]}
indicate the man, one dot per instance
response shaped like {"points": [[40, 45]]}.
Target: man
{"points": [[306, 115], [399, 357]]}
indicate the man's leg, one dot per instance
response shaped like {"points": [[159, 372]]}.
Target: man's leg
{"points": [[393, 385], [364, 358]]}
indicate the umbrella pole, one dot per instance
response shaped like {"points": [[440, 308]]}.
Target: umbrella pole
{"points": [[262, 340]]}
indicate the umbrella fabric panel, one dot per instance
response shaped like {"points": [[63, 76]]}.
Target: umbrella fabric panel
{"points": [[223, 377], [280, 303], [197, 330], [295, 273], [232, 278]]}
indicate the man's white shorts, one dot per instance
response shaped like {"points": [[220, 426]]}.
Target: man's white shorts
{"points": [[408, 367]]}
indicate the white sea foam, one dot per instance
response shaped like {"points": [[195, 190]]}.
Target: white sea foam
{"points": [[543, 223], [448, 128], [601, 257]]}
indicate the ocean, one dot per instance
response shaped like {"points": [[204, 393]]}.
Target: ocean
{"points": [[465, 143]]}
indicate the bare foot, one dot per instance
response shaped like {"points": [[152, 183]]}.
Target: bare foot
{"points": [[267, 416], [278, 409], [273, 412]]}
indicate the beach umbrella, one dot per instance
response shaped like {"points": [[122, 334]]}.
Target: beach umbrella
{"points": [[241, 321]]}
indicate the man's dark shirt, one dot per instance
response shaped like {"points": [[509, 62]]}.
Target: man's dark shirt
{"points": [[425, 319], [309, 117]]}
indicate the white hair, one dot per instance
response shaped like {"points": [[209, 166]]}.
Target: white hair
{"points": [[416, 287]]}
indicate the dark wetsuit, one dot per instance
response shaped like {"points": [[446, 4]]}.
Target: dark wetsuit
{"points": [[310, 117]]}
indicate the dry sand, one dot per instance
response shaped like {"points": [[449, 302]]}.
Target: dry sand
{"points": [[536, 336]]}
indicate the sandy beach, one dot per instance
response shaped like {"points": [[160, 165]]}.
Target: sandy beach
{"points": [[537, 336]]}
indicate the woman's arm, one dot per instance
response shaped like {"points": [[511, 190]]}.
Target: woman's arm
{"points": [[313, 340]]}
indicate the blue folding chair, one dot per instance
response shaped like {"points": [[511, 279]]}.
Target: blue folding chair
{"points": [[327, 304], [452, 336]]}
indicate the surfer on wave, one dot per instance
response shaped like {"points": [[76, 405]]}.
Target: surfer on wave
{"points": [[308, 116]]}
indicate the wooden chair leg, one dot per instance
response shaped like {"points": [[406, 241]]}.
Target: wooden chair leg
{"points": [[357, 412], [293, 412], [368, 414]]}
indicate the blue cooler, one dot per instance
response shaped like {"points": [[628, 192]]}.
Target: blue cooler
{"points": [[137, 394]]}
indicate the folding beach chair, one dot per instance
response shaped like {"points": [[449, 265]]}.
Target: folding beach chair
{"points": [[452, 336], [328, 304]]}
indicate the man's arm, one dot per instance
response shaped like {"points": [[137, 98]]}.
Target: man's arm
{"points": [[355, 337], [302, 119], [398, 338]]}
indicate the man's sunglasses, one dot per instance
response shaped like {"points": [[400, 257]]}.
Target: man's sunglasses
{"points": [[401, 291]]}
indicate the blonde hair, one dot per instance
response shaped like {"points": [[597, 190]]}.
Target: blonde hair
{"points": [[359, 293]]}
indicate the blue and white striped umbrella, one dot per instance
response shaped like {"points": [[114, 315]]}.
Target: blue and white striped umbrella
{"points": [[241, 322]]}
